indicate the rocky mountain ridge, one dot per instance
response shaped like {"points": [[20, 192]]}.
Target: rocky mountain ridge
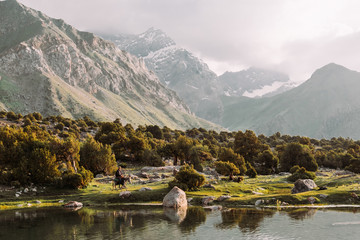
{"points": [[48, 66]]}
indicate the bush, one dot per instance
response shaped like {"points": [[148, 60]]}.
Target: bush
{"points": [[251, 172], [301, 173], [188, 179], [77, 180]]}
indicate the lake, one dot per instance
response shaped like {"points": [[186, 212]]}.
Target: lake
{"points": [[151, 222]]}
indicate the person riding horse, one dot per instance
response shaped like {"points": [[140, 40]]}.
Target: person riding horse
{"points": [[120, 179]]}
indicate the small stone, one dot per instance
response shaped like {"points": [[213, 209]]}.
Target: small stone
{"points": [[323, 195], [99, 176], [73, 204], [213, 208], [26, 190], [125, 194], [37, 201], [209, 186], [207, 200], [20, 205], [145, 189], [223, 198], [257, 193], [189, 200], [17, 195], [311, 200], [259, 202], [61, 201]]}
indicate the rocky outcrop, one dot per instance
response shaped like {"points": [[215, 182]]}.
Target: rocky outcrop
{"points": [[176, 198], [303, 185]]}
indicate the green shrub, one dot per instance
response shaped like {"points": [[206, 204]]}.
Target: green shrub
{"points": [[294, 169], [188, 179], [301, 173], [77, 180]]}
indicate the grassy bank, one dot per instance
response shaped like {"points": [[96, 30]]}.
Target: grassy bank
{"points": [[273, 190]]}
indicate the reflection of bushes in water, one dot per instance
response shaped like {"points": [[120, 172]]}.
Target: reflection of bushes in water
{"points": [[302, 213], [195, 216], [246, 219]]}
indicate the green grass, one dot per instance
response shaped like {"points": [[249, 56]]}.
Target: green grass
{"points": [[274, 189]]}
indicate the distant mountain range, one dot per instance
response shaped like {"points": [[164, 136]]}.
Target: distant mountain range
{"points": [[325, 106], [50, 67], [191, 78]]}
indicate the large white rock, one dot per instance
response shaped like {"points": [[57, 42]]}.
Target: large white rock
{"points": [[176, 198]]}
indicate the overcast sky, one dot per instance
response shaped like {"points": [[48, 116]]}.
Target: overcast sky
{"points": [[293, 36]]}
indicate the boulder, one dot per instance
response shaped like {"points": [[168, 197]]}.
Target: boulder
{"points": [[207, 200], [303, 185], [73, 204], [125, 194], [176, 198], [223, 198]]}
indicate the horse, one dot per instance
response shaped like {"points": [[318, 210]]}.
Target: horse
{"points": [[121, 182]]}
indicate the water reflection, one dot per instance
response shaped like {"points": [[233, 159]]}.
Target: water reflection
{"points": [[195, 216], [301, 214], [156, 223], [245, 219]]}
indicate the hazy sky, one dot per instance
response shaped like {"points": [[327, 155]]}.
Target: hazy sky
{"points": [[293, 36]]}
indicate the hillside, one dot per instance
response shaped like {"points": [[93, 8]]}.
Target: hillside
{"points": [[49, 67], [325, 106]]}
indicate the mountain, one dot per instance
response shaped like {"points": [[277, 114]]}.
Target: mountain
{"points": [[254, 82], [327, 105], [191, 78], [177, 68], [50, 67]]}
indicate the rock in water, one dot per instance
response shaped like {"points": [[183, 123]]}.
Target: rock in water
{"points": [[176, 198], [303, 185], [73, 204]]}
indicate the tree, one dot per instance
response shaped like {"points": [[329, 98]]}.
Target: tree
{"points": [[155, 131], [227, 169], [266, 163], [248, 145], [297, 154], [96, 157], [228, 155]]}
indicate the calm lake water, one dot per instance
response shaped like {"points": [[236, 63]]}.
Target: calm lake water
{"points": [[195, 223]]}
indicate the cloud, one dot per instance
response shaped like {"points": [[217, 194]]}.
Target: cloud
{"points": [[295, 37]]}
